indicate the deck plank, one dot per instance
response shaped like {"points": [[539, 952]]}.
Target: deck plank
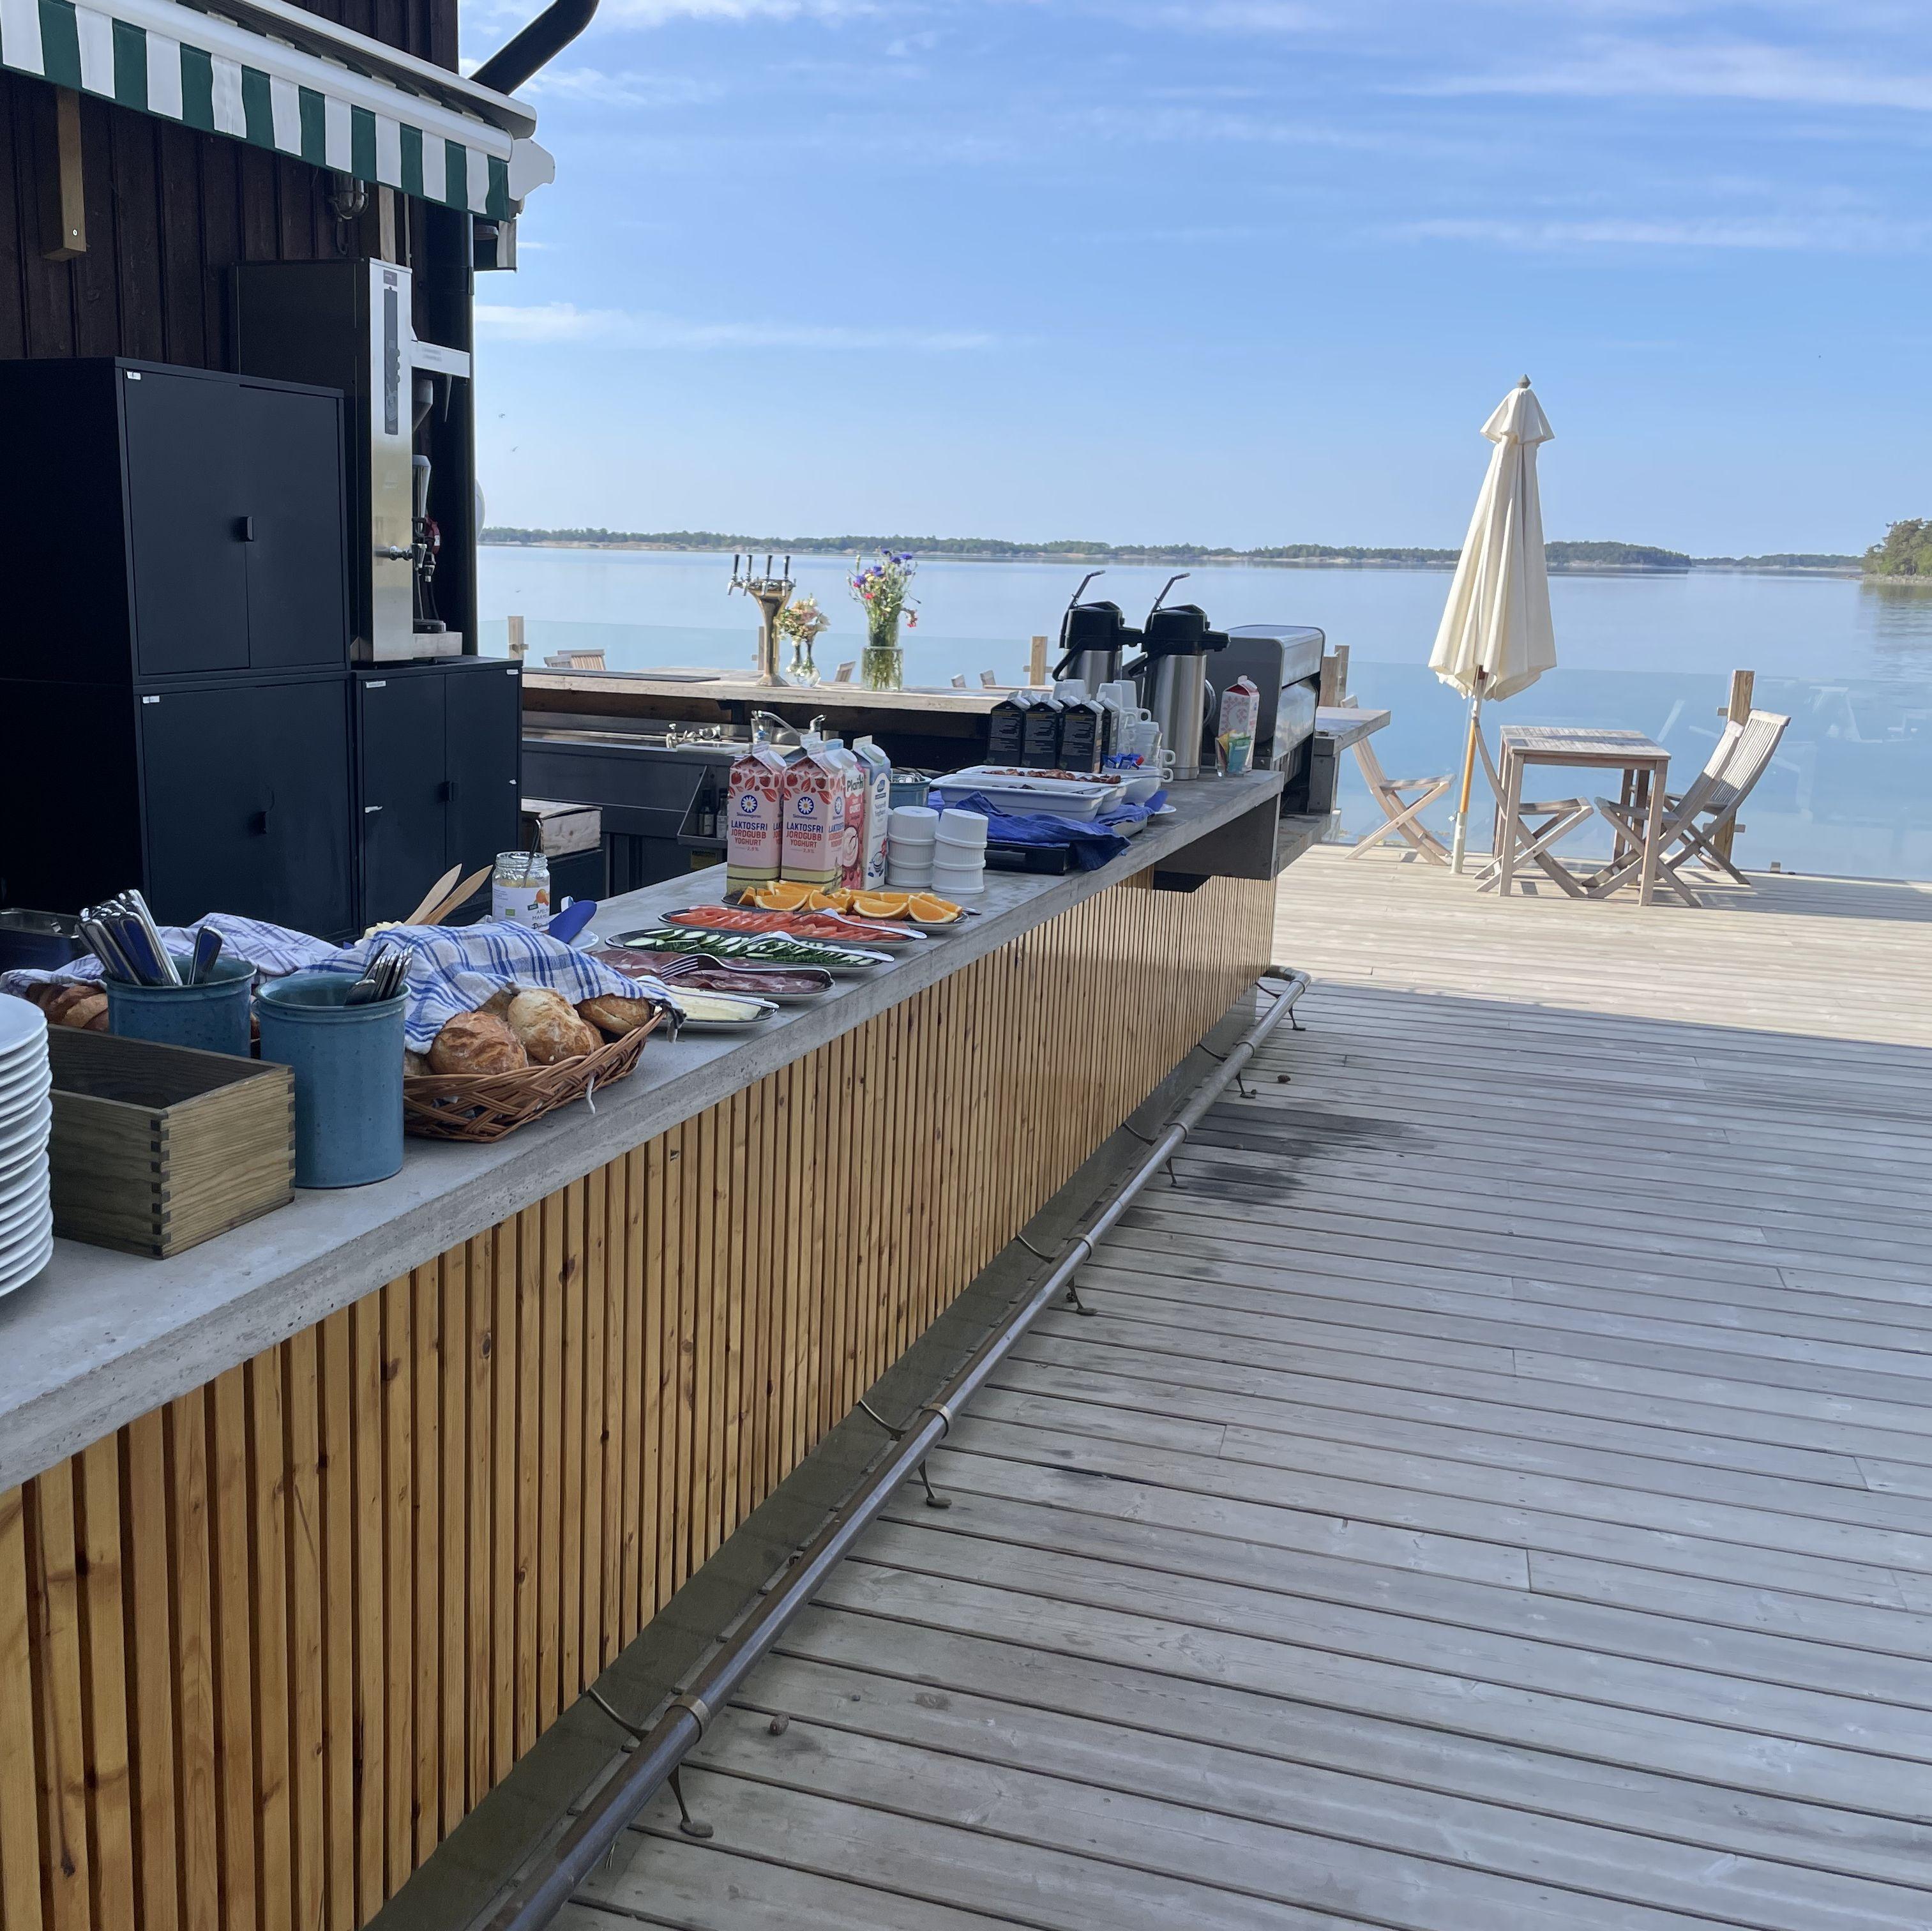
{"points": [[1496, 1488]]}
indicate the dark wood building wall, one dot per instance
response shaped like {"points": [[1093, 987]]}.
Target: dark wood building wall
{"points": [[169, 212]]}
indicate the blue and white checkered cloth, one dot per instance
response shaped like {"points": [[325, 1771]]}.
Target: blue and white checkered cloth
{"points": [[271, 949], [454, 969]]}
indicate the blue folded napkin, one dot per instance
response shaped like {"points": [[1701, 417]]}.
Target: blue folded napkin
{"points": [[1090, 844]]}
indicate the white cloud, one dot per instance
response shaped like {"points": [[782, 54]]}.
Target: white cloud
{"points": [[1729, 71], [628, 89], [657, 13], [1833, 236], [563, 322]]}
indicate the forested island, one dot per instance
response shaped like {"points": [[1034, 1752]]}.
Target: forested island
{"points": [[1906, 550], [1565, 555]]}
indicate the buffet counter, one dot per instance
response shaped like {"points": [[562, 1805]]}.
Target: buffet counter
{"points": [[308, 1533]]}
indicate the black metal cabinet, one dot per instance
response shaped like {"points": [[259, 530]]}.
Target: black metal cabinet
{"points": [[224, 794], [245, 793], [440, 745], [167, 523]]}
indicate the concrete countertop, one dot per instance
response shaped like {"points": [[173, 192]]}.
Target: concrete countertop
{"points": [[101, 1338], [722, 687]]}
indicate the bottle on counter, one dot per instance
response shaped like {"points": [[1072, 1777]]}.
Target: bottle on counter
{"points": [[1082, 721], [1006, 730], [520, 890], [1040, 744]]}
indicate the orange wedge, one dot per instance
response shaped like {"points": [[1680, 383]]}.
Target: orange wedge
{"points": [[782, 896], [930, 909], [879, 905]]}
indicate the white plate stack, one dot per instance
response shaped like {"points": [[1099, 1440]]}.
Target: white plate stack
{"points": [[26, 1114]]}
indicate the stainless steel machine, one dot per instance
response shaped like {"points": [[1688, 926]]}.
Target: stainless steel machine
{"points": [[1177, 642], [349, 325], [1094, 638], [1283, 661]]}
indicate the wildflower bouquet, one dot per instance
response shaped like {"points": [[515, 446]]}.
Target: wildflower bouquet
{"points": [[885, 589], [802, 622]]}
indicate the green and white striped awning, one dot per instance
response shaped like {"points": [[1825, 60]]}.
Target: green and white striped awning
{"points": [[282, 79]]}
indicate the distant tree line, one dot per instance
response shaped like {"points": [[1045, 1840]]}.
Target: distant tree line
{"points": [[1572, 556], [1906, 550]]}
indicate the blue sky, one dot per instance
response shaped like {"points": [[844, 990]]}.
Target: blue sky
{"points": [[1222, 270]]}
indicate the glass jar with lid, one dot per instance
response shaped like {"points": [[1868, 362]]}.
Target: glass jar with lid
{"points": [[520, 889]]}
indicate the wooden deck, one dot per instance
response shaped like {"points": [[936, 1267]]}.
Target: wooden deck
{"points": [[1495, 1494]]}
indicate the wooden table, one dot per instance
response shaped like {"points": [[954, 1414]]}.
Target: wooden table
{"points": [[1642, 761]]}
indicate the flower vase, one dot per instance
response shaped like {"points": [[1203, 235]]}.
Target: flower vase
{"points": [[802, 670], [882, 666]]}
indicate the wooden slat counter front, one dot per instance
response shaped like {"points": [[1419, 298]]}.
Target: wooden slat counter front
{"points": [[297, 1558]]}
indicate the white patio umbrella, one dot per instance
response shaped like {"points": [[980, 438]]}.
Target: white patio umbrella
{"points": [[1495, 638]]}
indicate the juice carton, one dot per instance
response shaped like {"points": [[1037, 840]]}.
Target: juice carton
{"points": [[810, 851], [878, 810], [1234, 733], [755, 819]]}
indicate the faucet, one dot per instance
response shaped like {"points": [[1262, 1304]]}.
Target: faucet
{"points": [[760, 719], [817, 724]]}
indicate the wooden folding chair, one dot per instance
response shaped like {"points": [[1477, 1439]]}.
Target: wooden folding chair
{"points": [[1692, 819], [574, 660], [1554, 819], [1400, 810]]}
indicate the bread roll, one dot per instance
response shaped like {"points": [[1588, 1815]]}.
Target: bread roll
{"points": [[414, 1065], [615, 1015], [547, 1024], [77, 1006], [477, 1043]]}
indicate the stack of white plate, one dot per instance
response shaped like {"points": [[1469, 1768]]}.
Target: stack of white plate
{"points": [[26, 1112]]}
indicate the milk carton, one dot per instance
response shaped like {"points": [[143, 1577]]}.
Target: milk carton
{"points": [[1234, 737], [812, 851], [755, 819], [878, 810]]}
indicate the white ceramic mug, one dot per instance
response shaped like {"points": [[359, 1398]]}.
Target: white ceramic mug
{"points": [[1144, 740]]}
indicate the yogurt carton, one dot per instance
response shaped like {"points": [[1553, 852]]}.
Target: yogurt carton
{"points": [[755, 819], [878, 810], [852, 830], [811, 850]]}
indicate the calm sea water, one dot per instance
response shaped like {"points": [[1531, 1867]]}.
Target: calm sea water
{"points": [[1851, 662]]}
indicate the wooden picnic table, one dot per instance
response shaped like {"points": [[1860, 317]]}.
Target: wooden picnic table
{"points": [[1642, 761]]}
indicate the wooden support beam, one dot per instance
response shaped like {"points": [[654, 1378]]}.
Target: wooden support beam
{"points": [[63, 197], [1737, 709], [1334, 688]]}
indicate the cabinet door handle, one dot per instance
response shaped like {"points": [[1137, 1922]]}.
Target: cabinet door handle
{"points": [[447, 790], [258, 824], [367, 809], [245, 529]]}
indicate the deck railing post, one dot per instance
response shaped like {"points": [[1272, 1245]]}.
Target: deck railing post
{"points": [[1737, 710]]}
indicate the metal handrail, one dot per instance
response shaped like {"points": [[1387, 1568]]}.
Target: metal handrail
{"points": [[662, 1749]]}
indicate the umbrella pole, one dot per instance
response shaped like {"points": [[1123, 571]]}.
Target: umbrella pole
{"points": [[1469, 780]]}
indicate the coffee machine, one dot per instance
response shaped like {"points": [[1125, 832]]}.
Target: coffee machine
{"points": [[1093, 638], [1172, 672]]}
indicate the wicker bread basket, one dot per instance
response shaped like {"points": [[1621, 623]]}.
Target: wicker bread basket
{"points": [[479, 1107]]}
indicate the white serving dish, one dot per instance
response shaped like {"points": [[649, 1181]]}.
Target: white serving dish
{"points": [[1062, 798], [763, 1011], [1138, 790]]}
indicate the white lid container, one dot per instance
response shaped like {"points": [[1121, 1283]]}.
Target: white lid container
{"points": [[962, 827], [915, 824]]}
